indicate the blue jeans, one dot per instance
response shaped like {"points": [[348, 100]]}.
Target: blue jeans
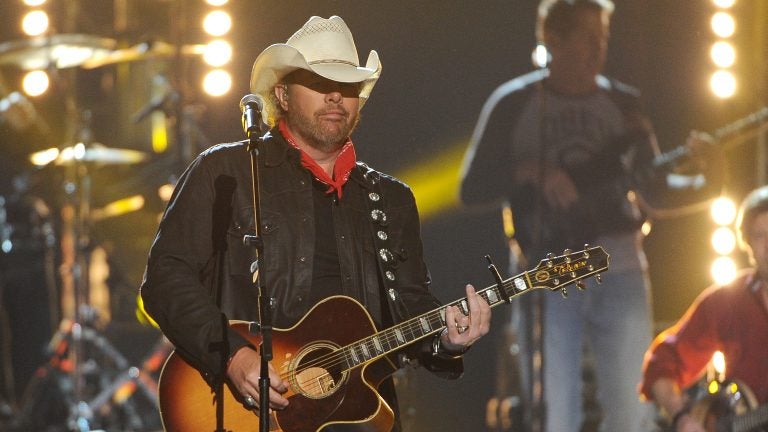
{"points": [[613, 318]]}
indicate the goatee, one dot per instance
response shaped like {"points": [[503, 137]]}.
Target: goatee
{"points": [[318, 133]]}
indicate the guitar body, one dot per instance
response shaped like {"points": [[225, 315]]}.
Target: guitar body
{"points": [[334, 359], [318, 395], [733, 408]]}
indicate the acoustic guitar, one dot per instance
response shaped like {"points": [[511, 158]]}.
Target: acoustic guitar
{"points": [[334, 358]]}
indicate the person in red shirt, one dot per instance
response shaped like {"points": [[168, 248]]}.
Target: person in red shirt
{"points": [[732, 319]]}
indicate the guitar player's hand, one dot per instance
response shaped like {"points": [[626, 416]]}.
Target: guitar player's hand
{"points": [[686, 423], [473, 327], [243, 372], [557, 186], [559, 189]]}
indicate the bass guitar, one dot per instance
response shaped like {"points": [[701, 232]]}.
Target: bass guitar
{"points": [[334, 358]]}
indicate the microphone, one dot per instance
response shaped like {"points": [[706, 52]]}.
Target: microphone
{"points": [[251, 105]]}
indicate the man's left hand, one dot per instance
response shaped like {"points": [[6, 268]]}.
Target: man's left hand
{"points": [[464, 330]]}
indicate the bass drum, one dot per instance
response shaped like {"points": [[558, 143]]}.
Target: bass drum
{"points": [[28, 295]]}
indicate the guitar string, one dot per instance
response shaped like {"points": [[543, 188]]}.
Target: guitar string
{"points": [[414, 326], [338, 356], [507, 284], [410, 325]]}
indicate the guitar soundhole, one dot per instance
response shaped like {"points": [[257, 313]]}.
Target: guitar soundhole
{"points": [[317, 372]]}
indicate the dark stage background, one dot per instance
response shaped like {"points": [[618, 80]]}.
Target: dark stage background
{"points": [[441, 59]]}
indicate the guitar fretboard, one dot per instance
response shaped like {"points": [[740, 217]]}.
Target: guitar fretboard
{"points": [[553, 273], [752, 420], [410, 331]]}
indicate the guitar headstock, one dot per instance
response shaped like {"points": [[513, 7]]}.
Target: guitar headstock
{"points": [[557, 272]]}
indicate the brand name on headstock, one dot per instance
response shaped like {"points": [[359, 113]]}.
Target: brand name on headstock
{"points": [[559, 270], [564, 268]]}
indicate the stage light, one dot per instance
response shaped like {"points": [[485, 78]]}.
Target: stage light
{"points": [[159, 131], [44, 157], [723, 54], [723, 270], [724, 4], [435, 181], [646, 228], [35, 83], [540, 56], [217, 82], [217, 23], [723, 240], [723, 24], [723, 84], [723, 211], [718, 363], [118, 208], [217, 53], [35, 23], [217, 3], [165, 192]]}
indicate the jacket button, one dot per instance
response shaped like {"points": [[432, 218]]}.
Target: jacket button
{"points": [[302, 259], [385, 255], [379, 216], [389, 275], [392, 294]]}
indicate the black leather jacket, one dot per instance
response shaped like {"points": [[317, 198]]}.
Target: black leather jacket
{"points": [[198, 266]]}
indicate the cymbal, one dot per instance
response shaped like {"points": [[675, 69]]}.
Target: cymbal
{"points": [[143, 51], [95, 153], [61, 50]]}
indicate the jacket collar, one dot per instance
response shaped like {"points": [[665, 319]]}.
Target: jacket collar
{"points": [[277, 150]]}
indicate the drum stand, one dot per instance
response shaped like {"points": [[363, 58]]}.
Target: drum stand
{"points": [[84, 405], [92, 374]]}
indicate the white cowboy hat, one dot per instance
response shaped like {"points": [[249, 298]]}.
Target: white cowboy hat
{"points": [[323, 46]]}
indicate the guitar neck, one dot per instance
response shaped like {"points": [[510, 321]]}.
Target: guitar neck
{"points": [[672, 156], [752, 420], [553, 273]]}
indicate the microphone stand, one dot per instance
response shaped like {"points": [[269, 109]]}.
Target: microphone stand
{"points": [[264, 326]]}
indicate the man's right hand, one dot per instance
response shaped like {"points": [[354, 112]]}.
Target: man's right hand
{"points": [[559, 189], [686, 423], [671, 399], [557, 186], [243, 372]]}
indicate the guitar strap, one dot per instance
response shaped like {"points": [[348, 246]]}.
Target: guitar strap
{"points": [[385, 259]]}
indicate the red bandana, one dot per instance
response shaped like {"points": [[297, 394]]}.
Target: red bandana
{"points": [[341, 169]]}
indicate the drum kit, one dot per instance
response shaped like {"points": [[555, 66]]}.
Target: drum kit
{"points": [[92, 378]]}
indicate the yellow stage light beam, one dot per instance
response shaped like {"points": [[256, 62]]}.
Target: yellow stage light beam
{"points": [[435, 183]]}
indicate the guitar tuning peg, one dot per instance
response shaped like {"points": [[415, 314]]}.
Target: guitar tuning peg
{"points": [[564, 292], [567, 251], [586, 245], [580, 285], [598, 278], [550, 255]]}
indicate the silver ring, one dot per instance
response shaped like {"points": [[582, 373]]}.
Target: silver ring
{"points": [[461, 329], [250, 401]]}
